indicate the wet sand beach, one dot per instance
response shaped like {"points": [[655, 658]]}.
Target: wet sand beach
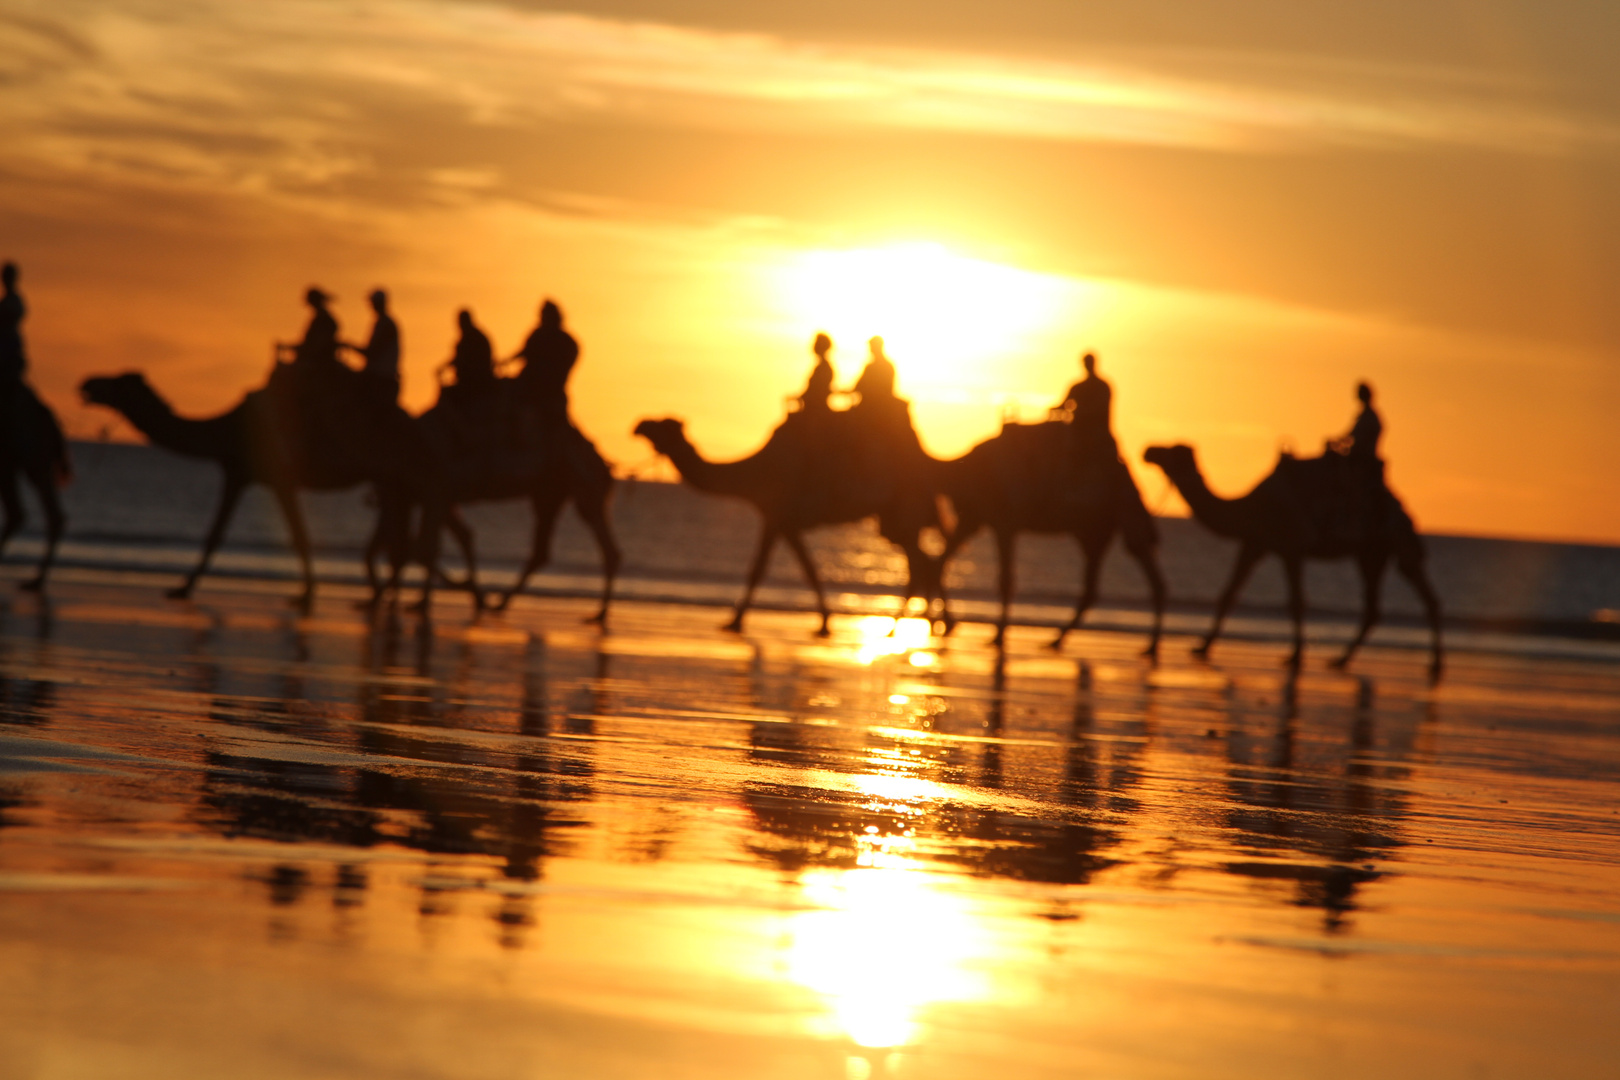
{"points": [[238, 842]]}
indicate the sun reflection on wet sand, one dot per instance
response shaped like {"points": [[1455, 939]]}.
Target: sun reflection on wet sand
{"points": [[885, 943], [882, 635], [666, 850]]}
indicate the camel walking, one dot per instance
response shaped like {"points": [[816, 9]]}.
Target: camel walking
{"points": [[1014, 482], [37, 452], [1280, 515], [249, 446], [575, 473], [792, 495]]}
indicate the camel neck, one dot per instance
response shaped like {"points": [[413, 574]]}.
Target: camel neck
{"points": [[716, 477], [1215, 513], [154, 418]]}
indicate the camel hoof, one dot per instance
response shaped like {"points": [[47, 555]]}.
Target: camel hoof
{"points": [[1152, 651], [1056, 644], [1201, 651], [34, 584], [1292, 662], [502, 603], [823, 632], [1339, 663], [179, 592], [599, 619], [734, 626], [1436, 669]]}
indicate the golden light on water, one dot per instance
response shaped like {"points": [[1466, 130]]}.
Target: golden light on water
{"points": [[945, 318], [883, 944], [881, 635]]}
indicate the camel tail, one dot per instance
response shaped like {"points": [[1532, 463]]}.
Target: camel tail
{"points": [[41, 424], [585, 460], [1136, 523]]}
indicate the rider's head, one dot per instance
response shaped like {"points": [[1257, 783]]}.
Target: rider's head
{"points": [[316, 298], [876, 345], [1089, 362], [464, 319], [379, 300], [1364, 392], [550, 314], [821, 346], [8, 275]]}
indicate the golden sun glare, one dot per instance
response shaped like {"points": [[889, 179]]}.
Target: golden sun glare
{"points": [[947, 320]]}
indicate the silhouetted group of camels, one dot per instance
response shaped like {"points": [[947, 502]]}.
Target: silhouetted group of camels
{"points": [[1008, 484]]}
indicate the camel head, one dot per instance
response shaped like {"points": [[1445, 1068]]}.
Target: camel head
{"points": [[116, 391], [665, 435], [1172, 459]]}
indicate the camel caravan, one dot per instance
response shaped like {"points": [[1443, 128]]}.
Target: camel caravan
{"points": [[321, 423]]}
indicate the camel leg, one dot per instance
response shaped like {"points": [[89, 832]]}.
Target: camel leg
{"points": [[762, 559], [16, 512], [795, 541], [1147, 558], [1294, 570], [293, 511], [965, 528], [1091, 556], [434, 515], [45, 484], [458, 528], [1006, 552], [392, 534], [1410, 565], [594, 511], [1248, 556], [546, 507], [1372, 580], [229, 496]]}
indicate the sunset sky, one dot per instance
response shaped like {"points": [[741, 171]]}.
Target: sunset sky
{"points": [[1242, 207]]}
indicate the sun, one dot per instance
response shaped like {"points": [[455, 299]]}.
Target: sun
{"points": [[947, 320]]}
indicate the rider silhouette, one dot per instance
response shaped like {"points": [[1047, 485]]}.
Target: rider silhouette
{"points": [[1360, 444], [474, 358], [319, 347], [13, 356], [813, 402], [548, 357], [1090, 402], [381, 352]]}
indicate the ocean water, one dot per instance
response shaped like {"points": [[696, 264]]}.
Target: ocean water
{"points": [[140, 508]]}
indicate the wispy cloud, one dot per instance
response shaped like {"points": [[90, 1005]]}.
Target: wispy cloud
{"points": [[298, 92]]}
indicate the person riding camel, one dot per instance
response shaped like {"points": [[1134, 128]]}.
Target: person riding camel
{"points": [[1090, 404], [22, 415], [813, 403], [1360, 443], [13, 357], [1353, 483], [318, 349], [380, 353], [548, 356], [884, 437]]}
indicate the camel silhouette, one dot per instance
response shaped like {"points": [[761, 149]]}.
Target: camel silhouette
{"points": [[36, 451], [247, 443], [575, 472], [1279, 515], [793, 492], [1013, 482]]}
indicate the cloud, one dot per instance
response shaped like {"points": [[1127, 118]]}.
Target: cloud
{"points": [[303, 94]]}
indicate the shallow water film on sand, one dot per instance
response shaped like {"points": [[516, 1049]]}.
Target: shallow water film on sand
{"points": [[235, 841]]}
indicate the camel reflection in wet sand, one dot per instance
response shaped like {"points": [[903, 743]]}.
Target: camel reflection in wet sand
{"points": [[863, 834]]}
